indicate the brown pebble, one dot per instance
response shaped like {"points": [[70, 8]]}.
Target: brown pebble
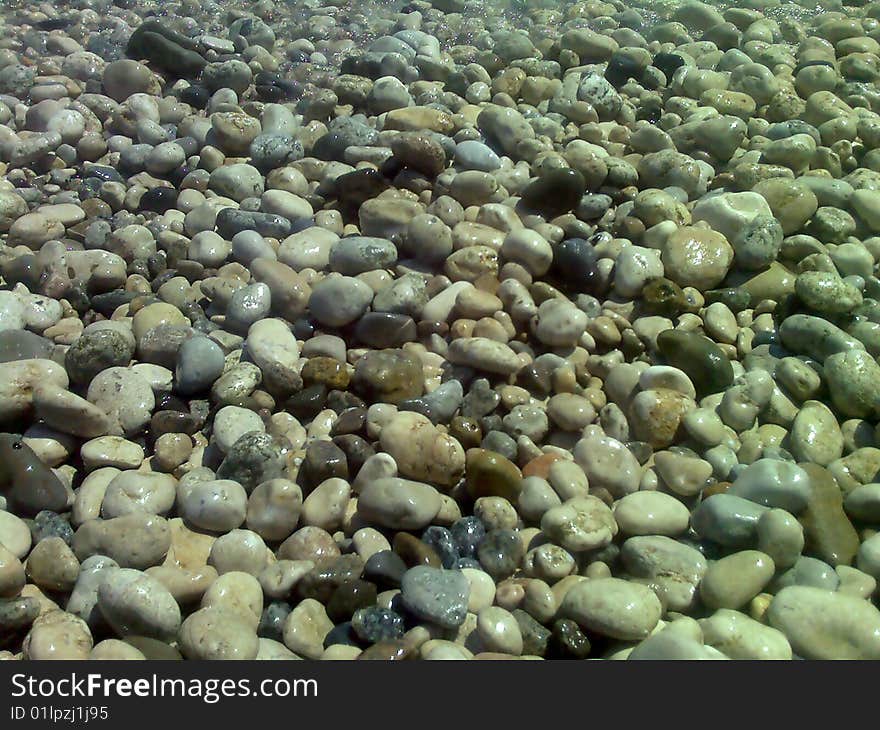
{"points": [[540, 466], [308, 543], [387, 651], [415, 552]]}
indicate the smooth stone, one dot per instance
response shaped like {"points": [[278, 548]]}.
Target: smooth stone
{"points": [[357, 254], [216, 634], [701, 359], [862, 503], [826, 292], [651, 513], [554, 193], [18, 380], [489, 474], [388, 376], [696, 257], [500, 552], [484, 354], [272, 347], [231, 222], [440, 405], [57, 634], [854, 383], [255, 458], [231, 423], [612, 607], [200, 361], [339, 300], [674, 568], [499, 631], [822, 624], [868, 557], [828, 532], [727, 520], [781, 536], [774, 483], [808, 571], [740, 637], [15, 535], [217, 505], [819, 339], [135, 603], [24, 345], [238, 181], [421, 451], [29, 485], [608, 464], [580, 524], [69, 413], [399, 504], [136, 540], [125, 397], [815, 434], [12, 574], [733, 581], [96, 351]]}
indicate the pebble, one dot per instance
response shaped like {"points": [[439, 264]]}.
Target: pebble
{"points": [[733, 581], [773, 483], [553, 331], [822, 624], [134, 603], [338, 301], [651, 513], [499, 631], [609, 464], [126, 398], [852, 383], [200, 362], [612, 607], [727, 519], [676, 569], [738, 636], [215, 634], [436, 595], [214, 505], [580, 524], [399, 504], [57, 634]]}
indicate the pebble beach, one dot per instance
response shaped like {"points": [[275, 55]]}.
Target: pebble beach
{"points": [[448, 329]]}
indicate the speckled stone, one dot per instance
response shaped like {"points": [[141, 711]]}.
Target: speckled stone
{"points": [[436, 595]]}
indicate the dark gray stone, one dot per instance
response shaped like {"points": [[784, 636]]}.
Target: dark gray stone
{"points": [[200, 361], [231, 221]]}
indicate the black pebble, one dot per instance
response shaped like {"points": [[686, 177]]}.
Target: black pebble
{"points": [[385, 569], [195, 95], [667, 63], [621, 69], [555, 193], [159, 199], [342, 634], [575, 262]]}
